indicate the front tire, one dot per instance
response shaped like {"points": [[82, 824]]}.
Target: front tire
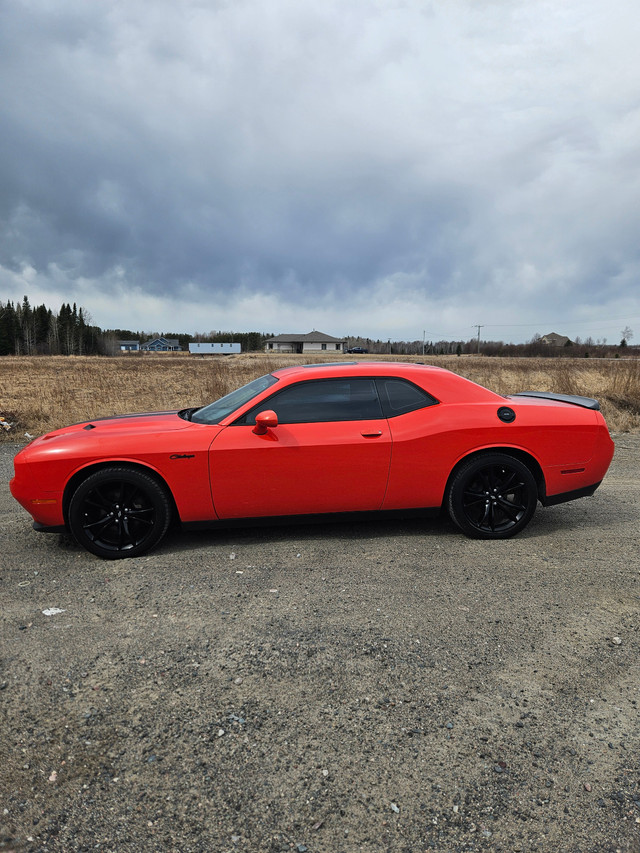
{"points": [[492, 496], [119, 512]]}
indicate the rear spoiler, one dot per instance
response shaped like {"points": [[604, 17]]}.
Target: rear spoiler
{"points": [[574, 399]]}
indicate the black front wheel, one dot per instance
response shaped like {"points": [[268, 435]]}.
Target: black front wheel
{"points": [[119, 512], [492, 496]]}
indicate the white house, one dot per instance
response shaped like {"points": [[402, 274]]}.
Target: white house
{"points": [[313, 342], [214, 349]]}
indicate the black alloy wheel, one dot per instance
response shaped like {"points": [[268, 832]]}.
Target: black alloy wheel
{"points": [[119, 512], [493, 496]]}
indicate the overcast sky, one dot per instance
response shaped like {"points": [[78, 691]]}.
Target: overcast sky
{"points": [[384, 168]]}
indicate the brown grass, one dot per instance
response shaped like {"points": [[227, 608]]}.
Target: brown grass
{"points": [[38, 394]]}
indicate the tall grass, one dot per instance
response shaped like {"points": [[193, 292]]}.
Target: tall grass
{"points": [[41, 393]]}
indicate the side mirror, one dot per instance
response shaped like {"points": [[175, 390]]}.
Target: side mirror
{"points": [[264, 421]]}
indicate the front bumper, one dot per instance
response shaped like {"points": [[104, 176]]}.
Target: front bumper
{"points": [[44, 507]]}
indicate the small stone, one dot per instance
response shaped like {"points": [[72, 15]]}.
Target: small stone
{"points": [[220, 732], [394, 808], [238, 681], [616, 641], [587, 786]]}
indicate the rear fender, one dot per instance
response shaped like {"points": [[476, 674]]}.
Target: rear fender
{"points": [[521, 455]]}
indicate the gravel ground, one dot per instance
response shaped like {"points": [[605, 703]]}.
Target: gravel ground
{"points": [[358, 687]]}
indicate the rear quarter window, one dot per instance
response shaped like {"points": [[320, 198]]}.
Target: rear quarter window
{"points": [[398, 396]]}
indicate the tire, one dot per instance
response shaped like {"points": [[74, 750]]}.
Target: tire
{"points": [[492, 496], [119, 512]]}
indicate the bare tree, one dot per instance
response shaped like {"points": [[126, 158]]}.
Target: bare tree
{"points": [[627, 334]]}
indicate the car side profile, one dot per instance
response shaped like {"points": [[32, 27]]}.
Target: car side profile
{"points": [[317, 440]]}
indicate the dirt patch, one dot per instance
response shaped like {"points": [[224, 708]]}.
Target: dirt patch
{"points": [[377, 687]]}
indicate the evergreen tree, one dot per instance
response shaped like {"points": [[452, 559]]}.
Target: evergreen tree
{"points": [[8, 329]]}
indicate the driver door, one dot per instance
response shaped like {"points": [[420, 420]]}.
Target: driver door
{"points": [[330, 452]]}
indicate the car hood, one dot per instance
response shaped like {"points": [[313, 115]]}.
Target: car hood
{"points": [[121, 425]]}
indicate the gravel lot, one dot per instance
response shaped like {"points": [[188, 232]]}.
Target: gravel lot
{"points": [[358, 687]]}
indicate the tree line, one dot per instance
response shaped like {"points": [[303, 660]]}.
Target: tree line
{"points": [[27, 330]]}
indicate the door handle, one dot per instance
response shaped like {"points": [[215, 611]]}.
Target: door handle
{"points": [[371, 434]]}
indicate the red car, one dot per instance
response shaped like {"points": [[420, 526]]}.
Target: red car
{"points": [[317, 439]]}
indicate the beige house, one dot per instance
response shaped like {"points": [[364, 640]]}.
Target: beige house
{"points": [[313, 342], [553, 339]]}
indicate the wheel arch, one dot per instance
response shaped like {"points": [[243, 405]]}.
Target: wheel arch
{"points": [[85, 472], [521, 455]]}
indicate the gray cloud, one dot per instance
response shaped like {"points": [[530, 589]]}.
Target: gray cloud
{"points": [[375, 168]]}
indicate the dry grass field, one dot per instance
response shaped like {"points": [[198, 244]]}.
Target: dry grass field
{"points": [[41, 393]]}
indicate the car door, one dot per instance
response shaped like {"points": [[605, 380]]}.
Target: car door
{"points": [[330, 452]]}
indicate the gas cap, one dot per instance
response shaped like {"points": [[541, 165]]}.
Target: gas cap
{"points": [[506, 414]]}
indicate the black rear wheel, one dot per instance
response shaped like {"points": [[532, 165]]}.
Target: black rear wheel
{"points": [[492, 496], [119, 512]]}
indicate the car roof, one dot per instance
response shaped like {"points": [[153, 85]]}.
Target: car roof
{"points": [[441, 383], [364, 368]]}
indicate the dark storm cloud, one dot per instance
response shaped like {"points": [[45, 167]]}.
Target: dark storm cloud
{"points": [[373, 167]]}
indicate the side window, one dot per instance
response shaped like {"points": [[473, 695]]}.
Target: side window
{"points": [[323, 400], [399, 397]]}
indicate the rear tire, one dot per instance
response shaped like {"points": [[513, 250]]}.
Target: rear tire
{"points": [[119, 512], [492, 496]]}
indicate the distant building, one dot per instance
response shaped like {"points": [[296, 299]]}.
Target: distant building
{"points": [[129, 346], [214, 349], [553, 339], [313, 342], [162, 345]]}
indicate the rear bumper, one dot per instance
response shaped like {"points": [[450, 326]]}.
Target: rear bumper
{"points": [[563, 497]]}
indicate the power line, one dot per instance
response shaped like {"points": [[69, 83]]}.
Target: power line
{"points": [[599, 324], [604, 326]]}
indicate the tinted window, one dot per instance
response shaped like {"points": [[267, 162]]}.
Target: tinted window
{"points": [[323, 400], [399, 397], [215, 412]]}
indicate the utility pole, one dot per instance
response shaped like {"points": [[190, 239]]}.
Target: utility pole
{"points": [[423, 334], [478, 327]]}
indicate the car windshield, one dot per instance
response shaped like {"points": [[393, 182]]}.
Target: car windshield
{"points": [[215, 412]]}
